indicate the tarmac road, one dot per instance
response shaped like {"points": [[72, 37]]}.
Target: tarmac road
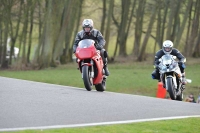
{"points": [[27, 104]]}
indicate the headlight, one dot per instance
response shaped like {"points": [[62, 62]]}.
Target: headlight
{"points": [[171, 67], [164, 67]]}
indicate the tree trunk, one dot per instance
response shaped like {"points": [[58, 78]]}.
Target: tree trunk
{"points": [[194, 31], [103, 17], [188, 31], [32, 5], [158, 30], [62, 34], [67, 53], [138, 27], [170, 20], [142, 52], [47, 44], [180, 32], [107, 34], [176, 22], [164, 22], [123, 26]]}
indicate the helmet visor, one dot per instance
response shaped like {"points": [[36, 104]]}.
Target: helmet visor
{"points": [[87, 29], [167, 49]]}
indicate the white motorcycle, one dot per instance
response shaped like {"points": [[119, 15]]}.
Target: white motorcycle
{"points": [[171, 76]]}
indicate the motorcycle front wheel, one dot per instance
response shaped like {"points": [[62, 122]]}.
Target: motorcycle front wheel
{"points": [[171, 88], [87, 79]]}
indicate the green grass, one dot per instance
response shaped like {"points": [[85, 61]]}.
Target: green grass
{"points": [[132, 78], [189, 125]]}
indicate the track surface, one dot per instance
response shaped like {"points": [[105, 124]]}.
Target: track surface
{"points": [[26, 104]]}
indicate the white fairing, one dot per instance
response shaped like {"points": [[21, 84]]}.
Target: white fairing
{"points": [[168, 64]]}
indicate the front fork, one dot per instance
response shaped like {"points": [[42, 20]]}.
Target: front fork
{"points": [[91, 65], [179, 89], [173, 78]]}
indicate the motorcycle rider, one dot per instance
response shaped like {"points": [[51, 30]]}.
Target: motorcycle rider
{"points": [[167, 48], [89, 32]]}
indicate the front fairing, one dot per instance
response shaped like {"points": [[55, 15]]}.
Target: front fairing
{"points": [[168, 64], [85, 49], [168, 68]]}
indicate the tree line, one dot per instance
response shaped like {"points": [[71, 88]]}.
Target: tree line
{"points": [[44, 30]]}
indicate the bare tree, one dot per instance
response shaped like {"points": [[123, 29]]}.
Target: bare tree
{"points": [[141, 56], [139, 26], [67, 52], [190, 46], [46, 40], [176, 20], [6, 11], [32, 5], [170, 20], [14, 31], [123, 27], [110, 12], [182, 27], [166, 5], [58, 46], [103, 17]]}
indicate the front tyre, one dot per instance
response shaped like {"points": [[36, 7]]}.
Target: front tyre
{"points": [[171, 88], [87, 78]]}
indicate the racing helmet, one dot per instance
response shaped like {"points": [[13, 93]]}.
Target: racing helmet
{"points": [[167, 46], [87, 25]]}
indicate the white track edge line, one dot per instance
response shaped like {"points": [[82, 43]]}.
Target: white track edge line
{"points": [[96, 124]]}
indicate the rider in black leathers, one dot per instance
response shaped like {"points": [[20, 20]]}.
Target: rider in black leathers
{"points": [[89, 32], [168, 49]]}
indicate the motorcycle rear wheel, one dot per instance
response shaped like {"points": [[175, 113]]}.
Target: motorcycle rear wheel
{"points": [[102, 86], [171, 88], [87, 78]]}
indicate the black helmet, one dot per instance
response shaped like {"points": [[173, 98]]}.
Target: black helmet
{"points": [[87, 23]]}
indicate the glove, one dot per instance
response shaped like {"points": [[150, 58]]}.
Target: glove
{"points": [[156, 66], [99, 47], [181, 63]]}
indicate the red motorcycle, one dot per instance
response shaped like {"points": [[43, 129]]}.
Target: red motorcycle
{"points": [[90, 65]]}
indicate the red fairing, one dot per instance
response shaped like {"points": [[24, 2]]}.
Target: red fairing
{"points": [[86, 50], [99, 63], [84, 53]]}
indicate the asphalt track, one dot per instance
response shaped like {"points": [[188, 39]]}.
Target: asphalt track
{"points": [[33, 105]]}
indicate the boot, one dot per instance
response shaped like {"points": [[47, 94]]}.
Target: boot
{"points": [[184, 79], [107, 73]]}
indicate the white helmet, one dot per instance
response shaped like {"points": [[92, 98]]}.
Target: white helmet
{"points": [[167, 46], [87, 23]]}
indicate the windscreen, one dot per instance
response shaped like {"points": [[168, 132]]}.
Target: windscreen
{"points": [[167, 59], [85, 43]]}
